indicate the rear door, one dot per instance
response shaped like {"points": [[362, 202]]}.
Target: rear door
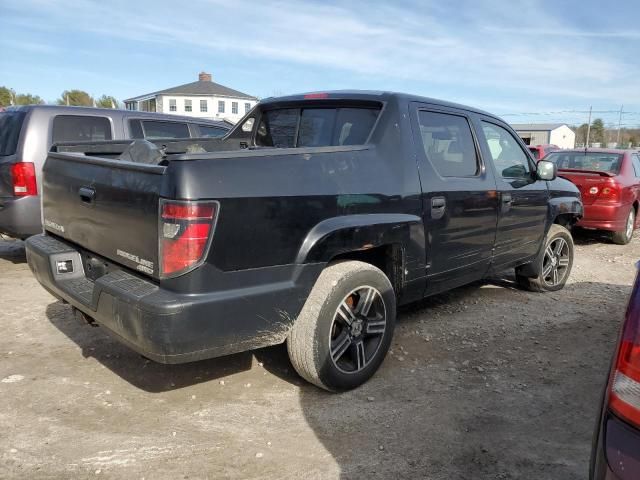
{"points": [[523, 198], [459, 197]]}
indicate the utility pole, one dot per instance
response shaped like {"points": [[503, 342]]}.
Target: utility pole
{"points": [[619, 125], [586, 144]]}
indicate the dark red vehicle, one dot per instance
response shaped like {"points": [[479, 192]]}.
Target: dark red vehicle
{"points": [[541, 151], [616, 443], [609, 181]]}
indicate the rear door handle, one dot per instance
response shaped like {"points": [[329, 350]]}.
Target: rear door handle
{"points": [[506, 202], [438, 206], [87, 194]]}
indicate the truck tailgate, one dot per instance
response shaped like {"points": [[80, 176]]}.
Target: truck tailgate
{"points": [[109, 207]]}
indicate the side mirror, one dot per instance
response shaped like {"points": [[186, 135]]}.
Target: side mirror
{"points": [[547, 170]]}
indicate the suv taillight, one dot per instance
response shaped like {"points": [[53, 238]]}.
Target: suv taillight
{"points": [[185, 231], [624, 387], [23, 177]]}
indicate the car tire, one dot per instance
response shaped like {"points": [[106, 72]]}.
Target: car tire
{"points": [[557, 257], [345, 328], [623, 237]]}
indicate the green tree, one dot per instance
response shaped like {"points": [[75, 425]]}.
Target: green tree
{"points": [[6, 96], [597, 132], [75, 97], [107, 101], [28, 99], [581, 133]]}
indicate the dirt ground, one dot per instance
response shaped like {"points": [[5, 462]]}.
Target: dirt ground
{"points": [[486, 381]]}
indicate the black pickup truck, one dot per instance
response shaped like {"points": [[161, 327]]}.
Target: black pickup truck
{"points": [[310, 222]]}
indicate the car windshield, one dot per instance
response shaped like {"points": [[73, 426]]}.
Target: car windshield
{"points": [[10, 126], [591, 161]]}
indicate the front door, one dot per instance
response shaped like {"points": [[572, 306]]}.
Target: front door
{"points": [[524, 199], [459, 197]]}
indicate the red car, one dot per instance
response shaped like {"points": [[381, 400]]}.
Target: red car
{"points": [[540, 151], [609, 181]]}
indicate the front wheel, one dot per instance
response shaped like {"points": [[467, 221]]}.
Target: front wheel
{"points": [[345, 328], [624, 236], [556, 262]]}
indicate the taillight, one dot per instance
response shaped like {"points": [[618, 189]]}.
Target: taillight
{"points": [[23, 177], [185, 231], [610, 192], [624, 386]]}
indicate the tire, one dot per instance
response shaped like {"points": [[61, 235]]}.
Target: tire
{"points": [[623, 237], [338, 348], [557, 256]]}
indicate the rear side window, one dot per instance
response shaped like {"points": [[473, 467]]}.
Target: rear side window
{"points": [[10, 126], [81, 128], [158, 129], [448, 144], [211, 132], [315, 127]]}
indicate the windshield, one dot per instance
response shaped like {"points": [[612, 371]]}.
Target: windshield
{"points": [[315, 127], [10, 126], [593, 161]]}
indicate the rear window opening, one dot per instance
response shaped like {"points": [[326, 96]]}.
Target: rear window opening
{"points": [[588, 161], [10, 127], [81, 128], [316, 126]]}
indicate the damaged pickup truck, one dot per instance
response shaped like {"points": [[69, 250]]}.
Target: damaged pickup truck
{"points": [[309, 223]]}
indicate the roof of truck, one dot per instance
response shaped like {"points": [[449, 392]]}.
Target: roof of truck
{"points": [[370, 95]]}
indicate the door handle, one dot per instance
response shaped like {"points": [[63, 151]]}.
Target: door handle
{"points": [[87, 194], [506, 202], [438, 206]]}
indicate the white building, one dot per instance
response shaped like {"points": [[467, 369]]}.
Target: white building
{"points": [[546, 134], [204, 98]]}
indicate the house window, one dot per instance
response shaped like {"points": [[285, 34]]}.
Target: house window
{"points": [[187, 106], [172, 105], [221, 106], [203, 106], [234, 108], [247, 107]]}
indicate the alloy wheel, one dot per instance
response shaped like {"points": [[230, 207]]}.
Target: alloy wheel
{"points": [[357, 330], [555, 265]]}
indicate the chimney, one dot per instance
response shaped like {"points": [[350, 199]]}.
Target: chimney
{"points": [[204, 77]]}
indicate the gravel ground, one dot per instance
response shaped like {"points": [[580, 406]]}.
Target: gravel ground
{"points": [[486, 381]]}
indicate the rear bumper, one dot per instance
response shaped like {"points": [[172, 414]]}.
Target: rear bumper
{"points": [[20, 216], [617, 453], [170, 327], [612, 217]]}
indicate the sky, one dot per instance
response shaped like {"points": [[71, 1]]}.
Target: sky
{"points": [[527, 60]]}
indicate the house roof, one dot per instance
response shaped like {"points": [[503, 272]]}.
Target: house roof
{"points": [[197, 88], [536, 127]]}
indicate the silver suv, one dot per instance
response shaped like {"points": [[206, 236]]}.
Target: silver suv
{"points": [[27, 133]]}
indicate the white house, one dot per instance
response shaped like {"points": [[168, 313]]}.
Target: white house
{"points": [[204, 98], [546, 134]]}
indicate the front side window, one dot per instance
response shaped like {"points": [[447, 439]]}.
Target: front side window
{"points": [[247, 107], [221, 106], [156, 129], [203, 106], [507, 155], [448, 144], [635, 160], [234, 108], [188, 107], [173, 107], [79, 128], [315, 127]]}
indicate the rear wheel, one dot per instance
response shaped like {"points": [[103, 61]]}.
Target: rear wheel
{"points": [[345, 328], [557, 261], [624, 236]]}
